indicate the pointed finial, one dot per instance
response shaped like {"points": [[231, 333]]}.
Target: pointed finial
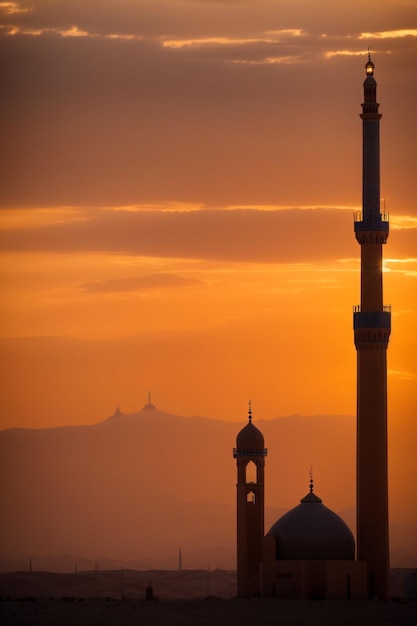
{"points": [[310, 473], [369, 54], [250, 410]]}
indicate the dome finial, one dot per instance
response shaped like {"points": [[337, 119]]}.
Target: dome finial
{"points": [[310, 473], [250, 411]]}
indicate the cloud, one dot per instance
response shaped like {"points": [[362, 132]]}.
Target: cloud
{"points": [[202, 102], [271, 47], [72, 31], [11, 8], [122, 122], [390, 34], [272, 36], [175, 20], [403, 221], [139, 283], [348, 53], [403, 375], [406, 266], [283, 236]]}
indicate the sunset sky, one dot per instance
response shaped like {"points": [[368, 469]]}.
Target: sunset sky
{"points": [[177, 185]]}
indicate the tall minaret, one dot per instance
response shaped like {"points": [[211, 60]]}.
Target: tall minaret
{"points": [[250, 451], [372, 325]]}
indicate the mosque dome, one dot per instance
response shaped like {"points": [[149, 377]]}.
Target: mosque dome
{"points": [[311, 531]]}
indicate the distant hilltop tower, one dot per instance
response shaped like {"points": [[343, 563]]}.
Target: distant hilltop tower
{"points": [[117, 412], [149, 406], [250, 456], [372, 326]]}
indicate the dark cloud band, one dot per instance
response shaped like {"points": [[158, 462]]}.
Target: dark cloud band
{"points": [[284, 236]]}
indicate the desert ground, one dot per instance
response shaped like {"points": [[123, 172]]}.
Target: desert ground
{"points": [[186, 598]]}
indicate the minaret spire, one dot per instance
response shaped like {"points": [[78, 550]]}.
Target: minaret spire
{"points": [[372, 326]]}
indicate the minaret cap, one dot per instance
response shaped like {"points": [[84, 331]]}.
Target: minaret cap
{"points": [[250, 440], [369, 67]]}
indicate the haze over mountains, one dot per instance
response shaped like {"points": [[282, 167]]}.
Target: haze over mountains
{"points": [[134, 488]]}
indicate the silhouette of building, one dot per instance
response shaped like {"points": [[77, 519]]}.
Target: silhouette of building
{"points": [[372, 325], [310, 552], [312, 531], [249, 451]]}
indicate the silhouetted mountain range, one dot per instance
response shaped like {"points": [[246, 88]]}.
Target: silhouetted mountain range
{"points": [[134, 488]]}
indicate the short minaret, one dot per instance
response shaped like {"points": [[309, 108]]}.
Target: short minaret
{"points": [[250, 456], [372, 325]]}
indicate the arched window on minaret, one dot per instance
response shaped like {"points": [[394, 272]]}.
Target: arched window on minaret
{"points": [[251, 472]]}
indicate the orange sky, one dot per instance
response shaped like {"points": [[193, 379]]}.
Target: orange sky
{"points": [[177, 187]]}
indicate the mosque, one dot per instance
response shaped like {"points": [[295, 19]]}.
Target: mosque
{"points": [[310, 552]]}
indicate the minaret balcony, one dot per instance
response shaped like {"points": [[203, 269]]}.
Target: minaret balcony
{"points": [[371, 222], [372, 319], [259, 452]]}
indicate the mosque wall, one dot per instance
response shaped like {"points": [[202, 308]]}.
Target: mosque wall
{"points": [[327, 580]]}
